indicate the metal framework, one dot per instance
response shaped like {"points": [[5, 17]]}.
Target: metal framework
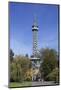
{"points": [[35, 37]]}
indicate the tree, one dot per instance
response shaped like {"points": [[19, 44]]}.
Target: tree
{"points": [[15, 72], [11, 55], [26, 55], [19, 67], [49, 57], [54, 75], [28, 75]]}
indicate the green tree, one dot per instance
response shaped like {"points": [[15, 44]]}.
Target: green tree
{"points": [[15, 72], [54, 75], [27, 56], [49, 57], [11, 55]]}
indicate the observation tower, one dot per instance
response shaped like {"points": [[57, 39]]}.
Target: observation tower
{"points": [[35, 60]]}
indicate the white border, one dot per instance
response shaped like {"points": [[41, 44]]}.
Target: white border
{"points": [[4, 43]]}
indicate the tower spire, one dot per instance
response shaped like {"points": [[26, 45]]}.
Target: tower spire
{"points": [[35, 20]]}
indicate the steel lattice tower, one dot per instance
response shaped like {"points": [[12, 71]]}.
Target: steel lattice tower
{"points": [[35, 37]]}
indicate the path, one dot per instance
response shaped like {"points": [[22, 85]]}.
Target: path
{"points": [[36, 83]]}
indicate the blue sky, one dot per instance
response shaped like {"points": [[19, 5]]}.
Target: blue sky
{"points": [[21, 17]]}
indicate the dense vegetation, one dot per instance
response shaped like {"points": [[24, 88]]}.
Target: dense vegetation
{"points": [[21, 66], [50, 66], [20, 69]]}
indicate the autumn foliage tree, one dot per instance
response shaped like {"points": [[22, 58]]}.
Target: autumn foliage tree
{"points": [[19, 69]]}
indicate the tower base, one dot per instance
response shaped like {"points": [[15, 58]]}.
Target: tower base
{"points": [[35, 68]]}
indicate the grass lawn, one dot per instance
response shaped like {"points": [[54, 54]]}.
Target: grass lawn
{"points": [[22, 84]]}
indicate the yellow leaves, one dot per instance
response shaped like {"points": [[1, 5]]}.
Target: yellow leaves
{"points": [[28, 74]]}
